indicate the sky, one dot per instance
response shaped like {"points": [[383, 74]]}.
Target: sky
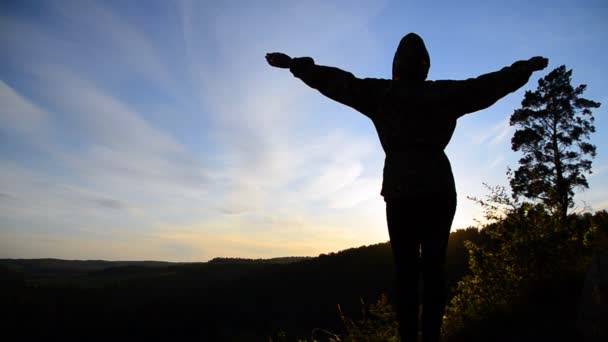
{"points": [[155, 130]]}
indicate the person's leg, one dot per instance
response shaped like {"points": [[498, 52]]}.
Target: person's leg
{"points": [[434, 245], [405, 242]]}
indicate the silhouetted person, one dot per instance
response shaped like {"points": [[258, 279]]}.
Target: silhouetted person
{"points": [[415, 120]]}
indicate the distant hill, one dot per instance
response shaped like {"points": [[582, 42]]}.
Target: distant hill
{"points": [[281, 260], [51, 268], [44, 269], [225, 299], [55, 271]]}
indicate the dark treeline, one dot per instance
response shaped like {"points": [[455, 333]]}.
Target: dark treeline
{"points": [[223, 300]]}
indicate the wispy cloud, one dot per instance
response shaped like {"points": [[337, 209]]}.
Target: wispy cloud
{"points": [[498, 160], [494, 135], [259, 113], [267, 184], [19, 115], [118, 41]]}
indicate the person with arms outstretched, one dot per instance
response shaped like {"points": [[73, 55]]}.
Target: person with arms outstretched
{"points": [[415, 120]]}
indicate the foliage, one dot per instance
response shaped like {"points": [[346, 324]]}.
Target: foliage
{"points": [[529, 252], [379, 323], [554, 126]]}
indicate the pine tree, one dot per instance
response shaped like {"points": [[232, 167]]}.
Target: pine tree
{"points": [[554, 125]]}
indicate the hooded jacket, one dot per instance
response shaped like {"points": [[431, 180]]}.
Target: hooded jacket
{"points": [[414, 118]]}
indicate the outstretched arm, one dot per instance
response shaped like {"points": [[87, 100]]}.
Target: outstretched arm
{"points": [[479, 93], [338, 85]]}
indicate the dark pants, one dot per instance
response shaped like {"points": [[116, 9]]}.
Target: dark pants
{"points": [[419, 229]]}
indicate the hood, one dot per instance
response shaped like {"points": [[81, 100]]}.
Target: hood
{"points": [[412, 61]]}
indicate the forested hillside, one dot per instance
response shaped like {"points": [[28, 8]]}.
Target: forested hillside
{"points": [[224, 299]]}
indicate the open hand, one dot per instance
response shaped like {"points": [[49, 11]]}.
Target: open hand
{"points": [[278, 60], [538, 63]]}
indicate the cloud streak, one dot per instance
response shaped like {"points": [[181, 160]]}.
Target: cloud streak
{"points": [[266, 171], [19, 115]]}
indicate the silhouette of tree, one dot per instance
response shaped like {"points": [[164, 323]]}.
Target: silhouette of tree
{"points": [[554, 126]]}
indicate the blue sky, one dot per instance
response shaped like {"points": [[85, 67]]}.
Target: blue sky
{"points": [[155, 130]]}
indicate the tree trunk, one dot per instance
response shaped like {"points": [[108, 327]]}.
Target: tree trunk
{"points": [[562, 189]]}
